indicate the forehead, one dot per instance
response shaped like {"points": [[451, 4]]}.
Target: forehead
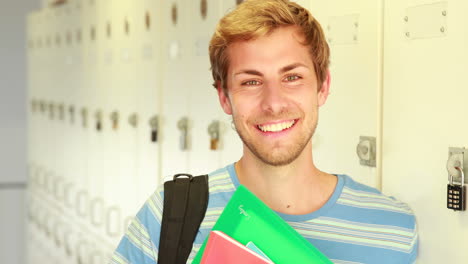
{"points": [[282, 46]]}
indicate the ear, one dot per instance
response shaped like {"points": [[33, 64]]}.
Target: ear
{"points": [[324, 90], [223, 99]]}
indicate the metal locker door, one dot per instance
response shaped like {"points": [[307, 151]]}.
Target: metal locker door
{"points": [[122, 136], [64, 153], [98, 123], [88, 143], [231, 150], [39, 136], [55, 151], [148, 87], [175, 145], [203, 103], [353, 30], [424, 108]]}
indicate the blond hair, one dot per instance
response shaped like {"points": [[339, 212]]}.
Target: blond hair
{"points": [[257, 18]]}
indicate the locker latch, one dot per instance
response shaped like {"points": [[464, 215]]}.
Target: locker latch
{"points": [[183, 125], [154, 124], [133, 120], [366, 151]]}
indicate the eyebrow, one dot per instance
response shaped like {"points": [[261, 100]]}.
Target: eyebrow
{"points": [[282, 70]]}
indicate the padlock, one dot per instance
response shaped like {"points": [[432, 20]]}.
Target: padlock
{"points": [[213, 131], [115, 120], [98, 116], [456, 194], [154, 124]]}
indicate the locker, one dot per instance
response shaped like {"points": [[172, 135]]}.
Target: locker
{"points": [[424, 99], [148, 86], [175, 86], [231, 145], [203, 104], [391, 64], [120, 100], [353, 107], [99, 133]]}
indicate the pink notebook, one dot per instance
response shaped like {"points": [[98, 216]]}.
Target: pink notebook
{"points": [[222, 249]]}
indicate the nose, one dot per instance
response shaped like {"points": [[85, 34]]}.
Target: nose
{"points": [[274, 99]]}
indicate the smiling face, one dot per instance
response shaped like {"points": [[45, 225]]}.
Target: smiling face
{"points": [[273, 96]]}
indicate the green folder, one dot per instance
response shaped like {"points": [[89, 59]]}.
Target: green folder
{"points": [[246, 218]]}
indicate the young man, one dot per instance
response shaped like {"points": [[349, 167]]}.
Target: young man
{"points": [[270, 65]]}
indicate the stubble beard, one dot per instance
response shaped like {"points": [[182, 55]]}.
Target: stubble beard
{"points": [[280, 156]]}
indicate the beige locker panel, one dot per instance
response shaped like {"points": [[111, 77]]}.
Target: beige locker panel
{"points": [[148, 30], [71, 147], [352, 110], [175, 86], [102, 140], [120, 99], [304, 3], [48, 91], [34, 97], [203, 104], [231, 145], [90, 141], [424, 108]]}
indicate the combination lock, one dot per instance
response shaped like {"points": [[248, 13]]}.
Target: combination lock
{"points": [[456, 193]]}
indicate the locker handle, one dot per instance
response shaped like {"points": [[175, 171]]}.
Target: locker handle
{"points": [[95, 254], [67, 200], [56, 233], [97, 204], [45, 224], [59, 191], [50, 183], [79, 256], [67, 243], [114, 210], [80, 197]]}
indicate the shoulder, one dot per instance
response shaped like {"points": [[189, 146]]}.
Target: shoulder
{"points": [[385, 214], [358, 195], [375, 220], [220, 181]]}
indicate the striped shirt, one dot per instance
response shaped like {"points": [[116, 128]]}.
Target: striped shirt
{"points": [[358, 224]]}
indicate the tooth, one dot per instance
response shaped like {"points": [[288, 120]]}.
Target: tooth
{"points": [[276, 127]]}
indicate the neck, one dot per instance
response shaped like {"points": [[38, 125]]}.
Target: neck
{"points": [[296, 188]]}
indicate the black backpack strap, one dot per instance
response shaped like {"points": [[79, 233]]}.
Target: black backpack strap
{"points": [[185, 204]]}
